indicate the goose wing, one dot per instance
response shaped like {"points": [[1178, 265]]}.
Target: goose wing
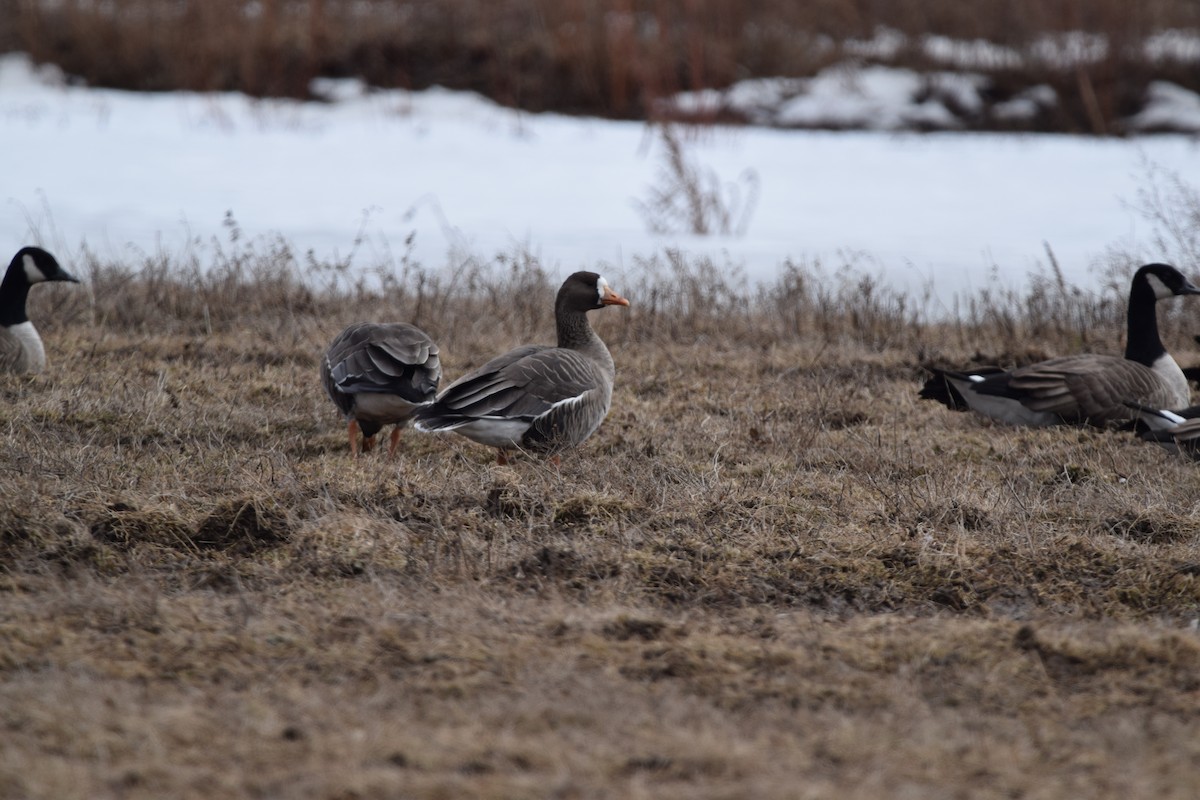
{"points": [[524, 384], [1093, 388], [942, 385]]}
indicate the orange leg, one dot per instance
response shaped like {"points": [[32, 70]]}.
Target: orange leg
{"points": [[501, 457], [395, 441], [367, 443]]}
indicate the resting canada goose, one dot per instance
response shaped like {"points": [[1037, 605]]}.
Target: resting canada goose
{"points": [[20, 346], [380, 374], [1082, 388], [543, 399]]}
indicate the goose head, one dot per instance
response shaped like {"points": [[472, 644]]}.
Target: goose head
{"points": [[1164, 281], [585, 291], [34, 265]]}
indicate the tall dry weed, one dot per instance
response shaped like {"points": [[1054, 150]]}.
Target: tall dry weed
{"points": [[687, 198]]}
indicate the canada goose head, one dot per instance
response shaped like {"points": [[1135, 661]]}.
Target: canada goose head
{"points": [[29, 266], [34, 265], [1164, 281], [1151, 283]]}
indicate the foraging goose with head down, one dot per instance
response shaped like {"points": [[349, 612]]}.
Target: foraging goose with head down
{"points": [[543, 399], [380, 374], [1082, 388], [21, 348]]}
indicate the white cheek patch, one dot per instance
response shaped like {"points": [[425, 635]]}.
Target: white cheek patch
{"points": [[32, 273], [601, 289], [1161, 291]]}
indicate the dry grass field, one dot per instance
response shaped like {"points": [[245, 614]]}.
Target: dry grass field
{"points": [[773, 573]]}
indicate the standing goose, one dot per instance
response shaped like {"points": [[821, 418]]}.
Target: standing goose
{"points": [[21, 348], [380, 374], [1082, 388], [537, 398]]}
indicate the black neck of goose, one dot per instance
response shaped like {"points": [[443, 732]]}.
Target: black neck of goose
{"points": [[14, 290], [1142, 344]]}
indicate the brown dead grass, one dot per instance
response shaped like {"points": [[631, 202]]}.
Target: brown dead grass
{"points": [[772, 573]]}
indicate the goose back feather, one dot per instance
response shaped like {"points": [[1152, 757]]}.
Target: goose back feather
{"points": [[379, 374]]}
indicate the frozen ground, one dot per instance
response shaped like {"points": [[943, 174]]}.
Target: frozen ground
{"points": [[128, 172]]}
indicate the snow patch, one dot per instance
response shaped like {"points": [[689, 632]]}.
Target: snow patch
{"points": [[1027, 104], [874, 98], [1169, 107], [1173, 45]]}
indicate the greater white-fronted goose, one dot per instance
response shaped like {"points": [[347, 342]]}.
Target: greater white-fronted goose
{"points": [[537, 398], [1082, 388], [379, 374], [21, 348]]}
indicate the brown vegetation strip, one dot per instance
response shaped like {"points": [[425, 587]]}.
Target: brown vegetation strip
{"points": [[614, 58]]}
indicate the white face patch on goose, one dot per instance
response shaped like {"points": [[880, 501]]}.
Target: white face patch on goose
{"points": [[601, 289], [1161, 290], [32, 273]]}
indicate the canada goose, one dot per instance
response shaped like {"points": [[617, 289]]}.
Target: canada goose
{"points": [[20, 346], [1082, 388], [380, 374], [537, 398]]}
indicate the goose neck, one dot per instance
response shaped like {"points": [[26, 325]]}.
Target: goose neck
{"points": [[13, 294], [576, 333], [1142, 342]]}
